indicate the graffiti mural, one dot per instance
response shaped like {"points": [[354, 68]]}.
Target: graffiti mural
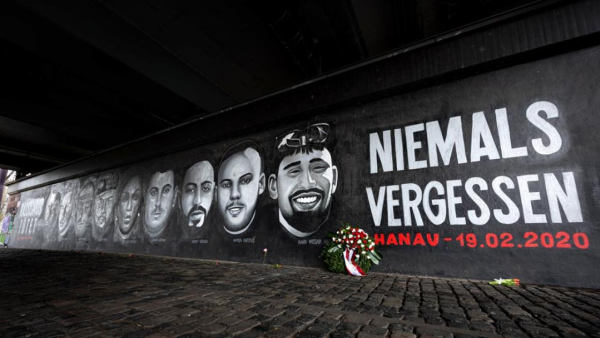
{"points": [[305, 181], [241, 181], [458, 180], [30, 217]]}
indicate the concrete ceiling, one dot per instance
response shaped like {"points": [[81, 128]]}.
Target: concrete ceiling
{"points": [[81, 76]]}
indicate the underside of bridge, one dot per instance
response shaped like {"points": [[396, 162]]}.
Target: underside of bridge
{"points": [[84, 76]]}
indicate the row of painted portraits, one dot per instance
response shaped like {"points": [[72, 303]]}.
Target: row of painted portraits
{"points": [[303, 185]]}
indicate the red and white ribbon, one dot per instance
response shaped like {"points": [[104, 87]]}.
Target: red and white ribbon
{"points": [[351, 266]]}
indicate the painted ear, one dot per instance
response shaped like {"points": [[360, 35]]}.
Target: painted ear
{"points": [[273, 186], [262, 183], [334, 179]]}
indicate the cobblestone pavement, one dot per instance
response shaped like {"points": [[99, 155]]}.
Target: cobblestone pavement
{"points": [[45, 294]]}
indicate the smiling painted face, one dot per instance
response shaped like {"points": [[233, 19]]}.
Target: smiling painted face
{"points": [[160, 199], [197, 193], [303, 188], [129, 205], [240, 183]]}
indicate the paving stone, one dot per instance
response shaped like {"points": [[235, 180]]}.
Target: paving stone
{"points": [[281, 332], [403, 335], [567, 330], [399, 327], [213, 328], [429, 332], [272, 312], [369, 335], [341, 334], [242, 326], [193, 335], [356, 319], [374, 330], [231, 320], [332, 316], [348, 327], [539, 331]]}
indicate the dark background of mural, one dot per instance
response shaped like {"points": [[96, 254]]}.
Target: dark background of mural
{"points": [[569, 81]]}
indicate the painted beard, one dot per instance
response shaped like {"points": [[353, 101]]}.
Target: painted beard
{"points": [[307, 212], [196, 216]]}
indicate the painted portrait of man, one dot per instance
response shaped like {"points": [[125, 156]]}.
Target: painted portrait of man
{"points": [[240, 181], [197, 196], [51, 211], [159, 201], [104, 202], [305, 181], [83, 211], [52, 207], [66, 207], [128, 208]]}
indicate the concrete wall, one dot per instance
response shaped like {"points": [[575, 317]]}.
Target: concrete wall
{"points": [[491, 176]]}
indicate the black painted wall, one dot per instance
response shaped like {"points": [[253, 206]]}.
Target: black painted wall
{"points": [[551, 108]]}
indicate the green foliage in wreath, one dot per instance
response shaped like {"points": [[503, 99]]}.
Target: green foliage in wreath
{"points": [[333, 258], [350, 238]]}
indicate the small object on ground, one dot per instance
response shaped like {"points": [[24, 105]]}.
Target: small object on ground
{"points": [[277, 266], [265, 250], [506, 282]]}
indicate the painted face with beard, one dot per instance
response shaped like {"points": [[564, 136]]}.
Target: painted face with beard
{"points": [[64, 214], [103, 208], [160, 200], [303, 187], [240, 183], [129, 205], [84, 209], [197, 193]]}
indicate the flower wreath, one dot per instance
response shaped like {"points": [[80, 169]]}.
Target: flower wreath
{"points": [[350, 249]]}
